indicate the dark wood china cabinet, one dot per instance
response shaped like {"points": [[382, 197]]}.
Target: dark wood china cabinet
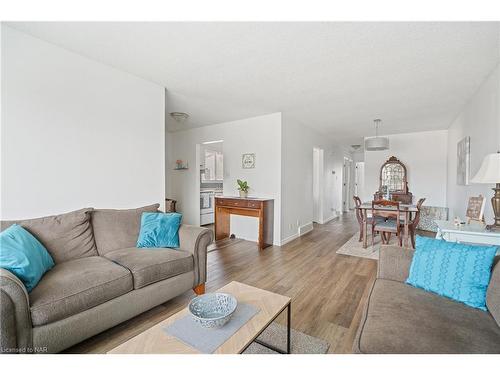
{"points": [[393, 182]]}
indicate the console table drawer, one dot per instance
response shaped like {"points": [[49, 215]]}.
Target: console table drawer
{"points": [[238, 203]]}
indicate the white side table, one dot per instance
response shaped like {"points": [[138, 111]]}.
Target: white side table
{"points": [[469, 233]]}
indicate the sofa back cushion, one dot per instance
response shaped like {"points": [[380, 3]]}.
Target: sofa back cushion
{"points": [[118, 229], [493, 294], [66, 236]]}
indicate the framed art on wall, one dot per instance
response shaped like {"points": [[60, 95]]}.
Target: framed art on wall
{"points": [[248, 161], [463, 161]]}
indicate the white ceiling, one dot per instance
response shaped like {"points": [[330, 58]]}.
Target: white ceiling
{"points": [[334, 77]]}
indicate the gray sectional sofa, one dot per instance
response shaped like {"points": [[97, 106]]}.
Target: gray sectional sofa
{"points": [[99, 280], [399, 318]]}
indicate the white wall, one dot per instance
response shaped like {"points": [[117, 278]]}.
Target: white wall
{"points": [[75, 133], [298, 142], [318, 176], [260, 135], [424, 155], [479, 119]]}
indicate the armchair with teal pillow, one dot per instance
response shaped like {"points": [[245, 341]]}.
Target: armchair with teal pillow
{"points": [[159, 230], [453, 270]]}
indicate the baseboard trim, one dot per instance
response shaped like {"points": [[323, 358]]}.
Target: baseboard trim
{"points": [[289, 239], [329, 219], [303, 229]]}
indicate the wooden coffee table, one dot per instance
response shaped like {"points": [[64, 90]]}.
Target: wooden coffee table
{"points": [[155, 340]]}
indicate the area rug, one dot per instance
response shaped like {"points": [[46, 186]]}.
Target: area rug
{"points": [[354, 248], [275, 335]]}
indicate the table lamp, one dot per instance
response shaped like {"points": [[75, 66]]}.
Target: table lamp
{"points": [[489, 173]]}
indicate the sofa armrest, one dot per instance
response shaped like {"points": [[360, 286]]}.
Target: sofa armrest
{"points": [[394, 263], [196, 240], [15, 318]]}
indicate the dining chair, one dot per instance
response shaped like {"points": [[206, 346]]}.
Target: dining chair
{"points": [[413, 223], [385, 220], [360, 216]]}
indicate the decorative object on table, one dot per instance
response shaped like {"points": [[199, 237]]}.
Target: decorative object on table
{"points": [[475, 209], [180, 165], [463, 161], [457, 221], [159, 230], [393, 182], [454, 270], [243, 188], [383, 193], [208, 340], [248, 161], [212, 310], [429, 215], [376, 143], [170, 205], [489, 173]]}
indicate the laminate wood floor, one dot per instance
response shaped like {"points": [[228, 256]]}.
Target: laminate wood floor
{"points": [[328, 291]]}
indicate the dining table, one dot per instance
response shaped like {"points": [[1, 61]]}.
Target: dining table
{"points": [[405, 209]]}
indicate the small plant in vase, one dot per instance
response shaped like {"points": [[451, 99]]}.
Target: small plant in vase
{"points": [[243, 188]]}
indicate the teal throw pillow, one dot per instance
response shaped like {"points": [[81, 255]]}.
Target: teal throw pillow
{"points": [[453, 270], [159, 229], [23, 255]]}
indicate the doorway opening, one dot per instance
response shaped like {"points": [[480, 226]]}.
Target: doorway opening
{"points": [[211, 178]]}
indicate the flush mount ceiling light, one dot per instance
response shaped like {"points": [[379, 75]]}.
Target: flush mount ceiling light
{"points": [[179, 116], [377, 143]]}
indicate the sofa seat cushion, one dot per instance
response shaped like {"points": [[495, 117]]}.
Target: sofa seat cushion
{"points": [[75, 286], [403, 319], [149, 265]]}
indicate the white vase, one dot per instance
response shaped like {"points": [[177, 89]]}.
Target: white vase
{"points": [[243, 194]]}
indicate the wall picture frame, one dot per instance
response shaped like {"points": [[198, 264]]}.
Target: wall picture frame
{"points": [[463, 161], [248, 161]]}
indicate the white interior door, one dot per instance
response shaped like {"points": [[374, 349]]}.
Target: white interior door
{"points": [[346, 184], [360, 180], [352, 184]]}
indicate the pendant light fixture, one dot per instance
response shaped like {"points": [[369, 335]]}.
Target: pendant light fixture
{"points": [[377, 143]]}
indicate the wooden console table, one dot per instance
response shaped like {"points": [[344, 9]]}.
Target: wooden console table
{"points": [[256, 207]]}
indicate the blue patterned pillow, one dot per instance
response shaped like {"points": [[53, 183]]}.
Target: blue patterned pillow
{"points": [[457, 271]]}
